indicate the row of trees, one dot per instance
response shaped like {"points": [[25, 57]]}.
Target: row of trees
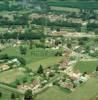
{"points": [[43, 21], [60, 23], [9, 7], [92, 26], [24, 36], [17, 20]]}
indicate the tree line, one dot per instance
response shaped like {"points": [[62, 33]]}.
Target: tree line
{"points": [[22, 36]]}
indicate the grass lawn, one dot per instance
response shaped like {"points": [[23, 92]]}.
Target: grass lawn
{"points": [[84, 92], [45, 62], [88, 66], [10, 75]]}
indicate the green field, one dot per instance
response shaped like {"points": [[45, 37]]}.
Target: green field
{"points": [[7, 91], [45, 62], [33, 55], [88, 66], [14, 51], [10, 75], [77, 4], [84, 92]]}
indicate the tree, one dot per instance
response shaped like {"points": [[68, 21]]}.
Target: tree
{"points": [[40, 69], [23, 50], [0, 94], [58, 53], [30, 44], [28, 95], [4, 56], [17, 82], [28, 70], [22, 61], [96, 53], [13, 96], [69, 45], [42, 40], [97, 68], [58, 29]]}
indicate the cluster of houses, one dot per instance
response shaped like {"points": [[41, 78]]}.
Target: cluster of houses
{"points": [[34, 86], [13, 63], [73, 79], [63, 75]]}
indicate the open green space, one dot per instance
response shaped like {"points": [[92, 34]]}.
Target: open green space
{"points": [[14, 51], [31, 55], [7, 91], [88, 66], [77, 4], [84, 92], [45, 62], [10, 75]]}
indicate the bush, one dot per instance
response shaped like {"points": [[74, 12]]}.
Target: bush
{"points": [[4, 56], [23, 50], [0, 94], [22, 61]]}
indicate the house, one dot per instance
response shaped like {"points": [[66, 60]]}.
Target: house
{"points": [[81, 79], [4, 67], [63, 64], [14, 61], [49, 72], [74, 76]]}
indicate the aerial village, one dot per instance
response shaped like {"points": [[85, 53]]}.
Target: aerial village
{"points": [[48, 49]]}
